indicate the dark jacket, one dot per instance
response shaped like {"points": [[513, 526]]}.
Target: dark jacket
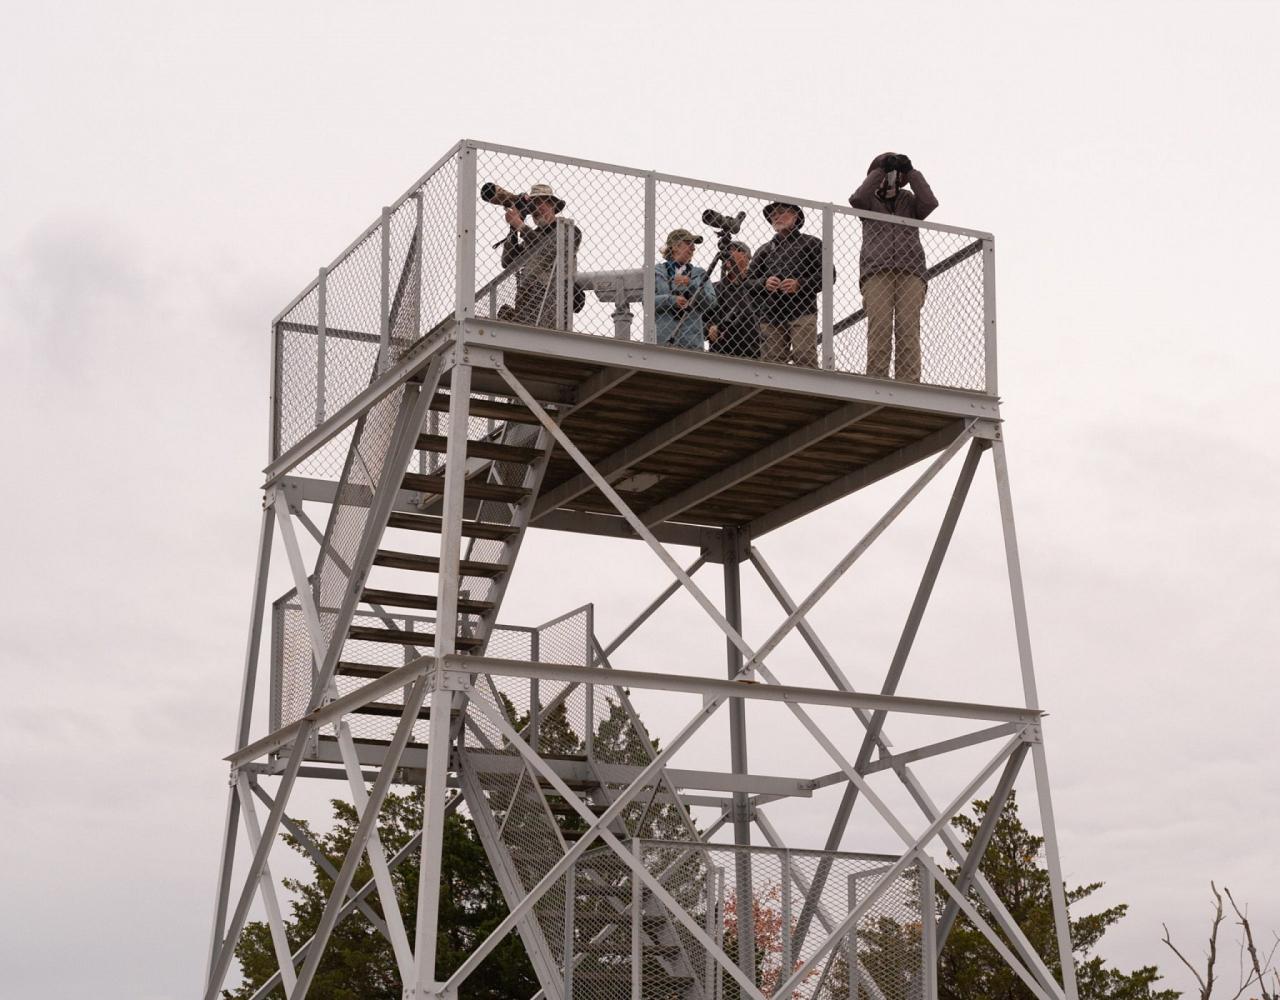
{"points": [[885, 245], [734, 314], [787, 255]]}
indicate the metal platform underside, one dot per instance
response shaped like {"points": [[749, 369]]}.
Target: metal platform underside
{"points": [[703, 440]]}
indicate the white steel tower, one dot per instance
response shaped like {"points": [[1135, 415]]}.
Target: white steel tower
{"points": [[432, 400]]}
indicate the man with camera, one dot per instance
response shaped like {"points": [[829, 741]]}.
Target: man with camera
{"points": [[893, 264], [533, 247], [732, 327], [786, 279]]}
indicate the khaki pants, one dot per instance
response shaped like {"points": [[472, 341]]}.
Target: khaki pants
{"points": [[893, 303], [794, 341]]}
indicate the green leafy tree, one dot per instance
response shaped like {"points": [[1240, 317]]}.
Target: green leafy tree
{"points": [[971, 969], [358, 963]]}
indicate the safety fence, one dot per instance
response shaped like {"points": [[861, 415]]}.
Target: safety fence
{"points": [[625, 941], [366, 654], [569, 244]]}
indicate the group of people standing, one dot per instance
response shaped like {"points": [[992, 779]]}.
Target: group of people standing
{"points": [[765, 304]]}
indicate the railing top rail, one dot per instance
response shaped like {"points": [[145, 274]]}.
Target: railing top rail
{"points": [[769, 849], [616, 168], [746, 192]]}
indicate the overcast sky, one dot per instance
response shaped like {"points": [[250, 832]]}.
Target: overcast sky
{"points": [[173, 173]]}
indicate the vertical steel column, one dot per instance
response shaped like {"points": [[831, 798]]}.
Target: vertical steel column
{"points": [[637, 926], [322, 327], [437, 769], [384, 310], [650, 256], [417, 241], [274, 390], [570, 891], [248, 687], [465, 271], [828, 288], [729, 549], [712, 917], [535, 691], [786, 914], [854, 965], [1053, 859], [928, 936], [267, 888], [989, 313], [563, 228], [719, 993]]}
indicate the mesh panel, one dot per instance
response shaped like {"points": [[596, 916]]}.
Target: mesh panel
{"points": [[607, 208], [705, 881], [316, 375]]}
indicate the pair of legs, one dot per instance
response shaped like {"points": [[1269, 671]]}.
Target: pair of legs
{"points": [[795, 341], [893, 303]]}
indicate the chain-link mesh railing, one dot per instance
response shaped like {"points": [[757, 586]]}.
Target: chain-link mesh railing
{"points": [[881, 960], [375, 301], [787, 281]]}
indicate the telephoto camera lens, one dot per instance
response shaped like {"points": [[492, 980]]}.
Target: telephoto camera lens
{"points": [[727, 223]]}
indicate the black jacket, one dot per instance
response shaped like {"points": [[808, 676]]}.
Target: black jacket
{"points": [[735, 315], [787, 255]]}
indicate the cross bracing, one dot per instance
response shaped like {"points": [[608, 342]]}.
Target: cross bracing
{"points": [[389, 663]]}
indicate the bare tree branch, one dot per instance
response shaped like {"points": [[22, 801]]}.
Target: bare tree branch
{"points": [[1257, 973], [1205, 982]]}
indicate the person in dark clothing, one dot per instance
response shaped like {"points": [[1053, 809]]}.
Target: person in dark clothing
{"points": [[786, 280], [732, 327], [893, 264], [535, 248]]}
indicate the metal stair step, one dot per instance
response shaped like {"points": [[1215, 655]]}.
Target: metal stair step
{"points": [[372, 633], [392, 709], [624, 976], [421, 602], [350, 668], [431, 564], [477, 489], [514, 412], [438, 443], [663, 950], [432, 523]]}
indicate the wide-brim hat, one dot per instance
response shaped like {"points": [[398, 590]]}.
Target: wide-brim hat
{"points": [[773, 206], [544, 191]]}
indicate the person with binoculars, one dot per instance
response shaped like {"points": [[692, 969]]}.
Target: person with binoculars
{"points": [[534, 248], [893, 264], [681, 295]]}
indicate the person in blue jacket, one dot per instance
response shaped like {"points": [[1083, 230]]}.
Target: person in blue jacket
{"points": [[681, 293]]}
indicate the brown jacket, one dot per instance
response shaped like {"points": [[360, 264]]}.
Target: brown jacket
{"points": [[887, 246]]}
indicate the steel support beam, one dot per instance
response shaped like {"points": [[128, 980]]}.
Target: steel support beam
{"points": [[862, 478], [1053, 860], [657, 439], [981, 840], [730, 553], [906, 640], [921, 797], [248, 689], [764, 459], [448, 581]]}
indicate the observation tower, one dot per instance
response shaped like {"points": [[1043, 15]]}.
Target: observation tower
{"points": [[423, 420]]}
